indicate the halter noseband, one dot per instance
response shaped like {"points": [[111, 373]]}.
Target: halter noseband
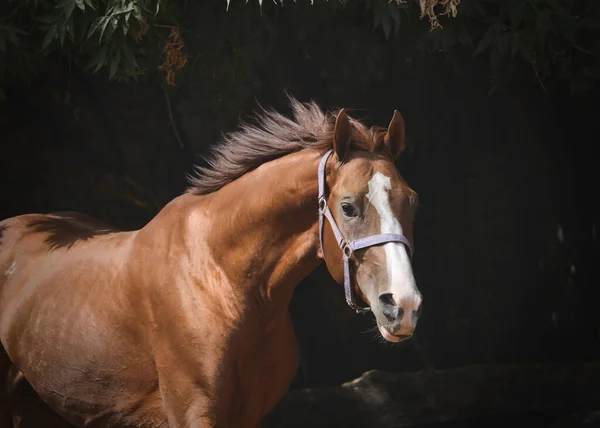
{"points": [[348, 248]]}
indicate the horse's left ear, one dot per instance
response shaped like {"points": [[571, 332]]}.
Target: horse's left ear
{"points": [[342, 134], [394, 138]]}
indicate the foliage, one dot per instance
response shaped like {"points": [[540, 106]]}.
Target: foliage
{"points": [[94, 33], [557, 39]]}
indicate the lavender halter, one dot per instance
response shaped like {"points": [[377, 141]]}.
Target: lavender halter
{"points": [[348, 248]]}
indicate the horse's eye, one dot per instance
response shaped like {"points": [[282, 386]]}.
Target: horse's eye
{"points": [[348, 210]]}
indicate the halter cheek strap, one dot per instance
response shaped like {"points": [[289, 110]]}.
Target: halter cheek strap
{"points": [[348, 248]]}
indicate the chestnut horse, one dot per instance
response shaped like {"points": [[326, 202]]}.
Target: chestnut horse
{"points": [[185, 322]]}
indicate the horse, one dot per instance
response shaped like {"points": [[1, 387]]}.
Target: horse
{"points": [[185, 322]]}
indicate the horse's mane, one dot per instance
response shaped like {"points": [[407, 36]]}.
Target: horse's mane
{"points": [[273, 136]]}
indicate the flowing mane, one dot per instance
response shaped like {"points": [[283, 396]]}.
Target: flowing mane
{"points": [[273, 136]]}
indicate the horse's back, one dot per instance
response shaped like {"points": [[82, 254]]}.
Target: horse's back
{"points": [[33, 245], [37, 234], [65, 304]]}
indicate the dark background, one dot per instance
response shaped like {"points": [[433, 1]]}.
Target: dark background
{"points": [[507, 234]]}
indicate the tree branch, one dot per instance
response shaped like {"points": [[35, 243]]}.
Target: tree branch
{"points": [[379, 399]]}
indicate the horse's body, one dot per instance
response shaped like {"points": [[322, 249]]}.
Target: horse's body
{"points": [[181, 323]]}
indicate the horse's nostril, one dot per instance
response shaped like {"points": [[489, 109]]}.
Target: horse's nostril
{"points": [[389, 308], [387, 299]]}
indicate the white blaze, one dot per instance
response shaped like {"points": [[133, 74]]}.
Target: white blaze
{"points": [[401, 283]]}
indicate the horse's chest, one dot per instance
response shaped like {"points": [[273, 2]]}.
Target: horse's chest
{"points": [[262, 378]]}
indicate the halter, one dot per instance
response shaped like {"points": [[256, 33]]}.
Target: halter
{"points": [[348, 248]]}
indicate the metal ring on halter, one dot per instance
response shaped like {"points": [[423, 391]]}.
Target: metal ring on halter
{"points": [[347, 250], [322, 204]]}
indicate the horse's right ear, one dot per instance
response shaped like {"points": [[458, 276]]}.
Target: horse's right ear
{"points": [[342, 134], [394, 137]]}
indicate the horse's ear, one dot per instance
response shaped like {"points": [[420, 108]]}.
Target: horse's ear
{"points": [[341, 134], [394, 138]]}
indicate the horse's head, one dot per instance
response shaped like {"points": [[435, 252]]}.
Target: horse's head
{"points": [[367, 196]]}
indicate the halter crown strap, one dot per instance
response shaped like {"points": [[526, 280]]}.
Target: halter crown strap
{"points": [[324, 210], [349, 247]]}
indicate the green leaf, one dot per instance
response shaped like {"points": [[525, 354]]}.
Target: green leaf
{"points": [[50, 35], [516, 12], [103, 26], [544, 25], [494, 56], [395, 14], [129, 56], [52, 17], [99, 59], [464, 38], [137, 13], [88, 2], [13, 38], [122, 10], [485, 42], [376, 20], [514, 44], [557, 7], [62, 30], [478, 8], [69, 10], [95, 25], [13, 29], [386, 24], [111, 28], [69, 26], [592, 71], [503, 45], [114, 63]]}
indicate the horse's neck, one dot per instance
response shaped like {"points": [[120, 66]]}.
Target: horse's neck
{"points": [[264, 232]]}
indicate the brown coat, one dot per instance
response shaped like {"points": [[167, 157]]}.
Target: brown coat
{"points": [[185, 323]]}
